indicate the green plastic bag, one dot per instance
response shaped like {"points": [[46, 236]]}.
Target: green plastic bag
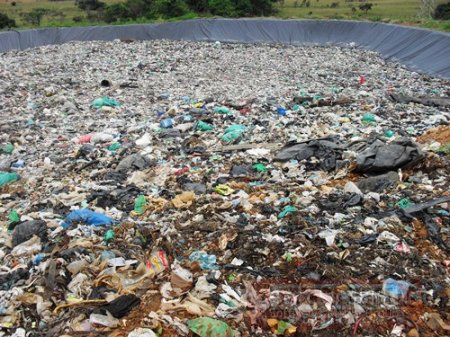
{"points": [[259, 167], [209, 327], [235, 127], [139, 204], [222, 110], [109, 235], [389, 133], [104, 101], [404, 203], [8, 148], [231, 137], [114, 147], [368, 118], [13, 217], [6, 177], [287, 210], [233, 133], [202, 126]]}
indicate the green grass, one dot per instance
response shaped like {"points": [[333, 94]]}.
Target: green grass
{"points": [[391, 11], [67, 7]]}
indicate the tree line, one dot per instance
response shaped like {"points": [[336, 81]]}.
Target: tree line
{"points": [[151, 9]]}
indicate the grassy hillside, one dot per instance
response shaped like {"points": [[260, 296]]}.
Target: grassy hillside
{"points": [[394, 11]]}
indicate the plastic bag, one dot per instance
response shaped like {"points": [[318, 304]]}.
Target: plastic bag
{"points": [[6, 177], [396, 289], [234, 128], [139, 205], [183, 200], [104, 101], [223, 189], [142, 332], [210, 327], [88, 217], [202, 126], [259, 167], [8, 149], [222, 110], [206, 261], [287, 210]]}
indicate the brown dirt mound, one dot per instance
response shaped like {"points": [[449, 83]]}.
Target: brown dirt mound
{"points": [[440, 134]]}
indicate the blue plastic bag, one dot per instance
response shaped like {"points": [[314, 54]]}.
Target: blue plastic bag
{"points": [[166, 123], [395, 289], [281, 111], [88, 217], [206, 261]]}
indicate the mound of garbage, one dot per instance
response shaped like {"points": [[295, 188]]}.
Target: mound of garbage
{"points": [[206, 189]]}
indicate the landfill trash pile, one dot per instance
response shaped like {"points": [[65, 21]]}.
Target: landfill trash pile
{"points": [[208, 189]]}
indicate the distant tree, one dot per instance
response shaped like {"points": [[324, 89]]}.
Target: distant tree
{"points": [[171, 8], [296, 3], [6, 22], [334, 5], [56, 15], [353, 9], [200, 6], [115, 12], [77, 18], [365, 7], [95, 16], [89, 5], [308, 3], [442, 12], [221, 7], [35, 16], [13, 3], [140, 8], [261, 8]]}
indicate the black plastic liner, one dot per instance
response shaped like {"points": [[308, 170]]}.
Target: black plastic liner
{"points": [[418, 49]]}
